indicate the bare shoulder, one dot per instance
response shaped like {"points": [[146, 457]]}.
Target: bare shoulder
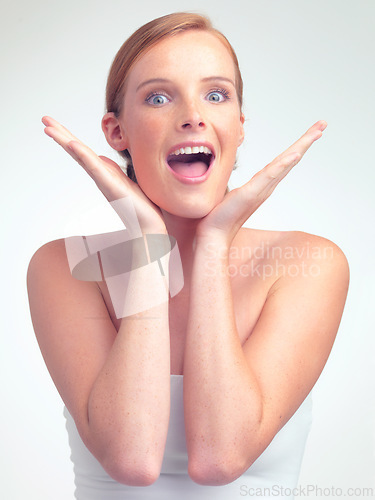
{"points": [[51, 249], [56, 291], [49, 268], [315, 257], [305, 244], [56, 296], [48, 263]]}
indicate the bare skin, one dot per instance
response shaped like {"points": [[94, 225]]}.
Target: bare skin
{"points": [[250, 331]]}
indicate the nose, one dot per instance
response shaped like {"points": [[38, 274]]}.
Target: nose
{"points": [[191, 118]]}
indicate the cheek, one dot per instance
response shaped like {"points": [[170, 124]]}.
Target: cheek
{"points": [[145, 138], [230, 128]]}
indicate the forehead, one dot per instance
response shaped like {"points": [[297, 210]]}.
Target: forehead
{"points": [[193, 53]]}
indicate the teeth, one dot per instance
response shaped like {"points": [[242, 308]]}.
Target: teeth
{"points": [[192, 150]]}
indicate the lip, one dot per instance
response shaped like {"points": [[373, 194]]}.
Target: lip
{"points": [[192, 180]]}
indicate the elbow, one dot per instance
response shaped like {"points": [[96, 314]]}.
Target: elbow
{"points": [[217, 472], [132, 472], [126, 463]]}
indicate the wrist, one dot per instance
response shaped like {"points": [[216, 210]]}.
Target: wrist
{"points": [[212, 248], [139, 221]]}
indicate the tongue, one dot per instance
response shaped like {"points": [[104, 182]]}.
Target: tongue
{"points": [[192, 169]]}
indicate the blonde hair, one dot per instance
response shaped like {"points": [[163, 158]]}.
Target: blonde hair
{"points": [[141, 41]]}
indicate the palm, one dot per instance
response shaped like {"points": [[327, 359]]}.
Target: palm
{"points": [[125, 196], [227, 217]]}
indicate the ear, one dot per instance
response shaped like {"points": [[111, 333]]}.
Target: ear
{"points": [[116, 138], [242, 130]]}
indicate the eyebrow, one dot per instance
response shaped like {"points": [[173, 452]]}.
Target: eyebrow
{"points": [[152, 80], [218, 78], [165, 80]]}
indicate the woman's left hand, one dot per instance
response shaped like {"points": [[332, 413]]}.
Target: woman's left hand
{"points": [[226, 219]]}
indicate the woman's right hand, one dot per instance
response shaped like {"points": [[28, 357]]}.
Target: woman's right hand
{"points": [[120, 191]]}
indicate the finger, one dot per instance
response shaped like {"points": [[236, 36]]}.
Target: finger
{"points": [[48, 121], [89, 160], [263, 183], [65, 139], [108, 176], [112, 164], [59, 134], [306, 140], [53, 125], [60, 137], [84, 155]]}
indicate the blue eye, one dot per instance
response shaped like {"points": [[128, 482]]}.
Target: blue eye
{"points": [[218, 95], [157, 99]]}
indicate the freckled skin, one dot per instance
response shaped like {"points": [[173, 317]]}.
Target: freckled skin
{"points": [[185, 61], [247, 357]]}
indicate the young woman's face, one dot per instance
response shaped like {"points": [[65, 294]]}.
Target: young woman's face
{"points": [[182, 123]]}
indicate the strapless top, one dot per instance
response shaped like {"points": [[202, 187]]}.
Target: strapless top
{"points": [[274, 474]]}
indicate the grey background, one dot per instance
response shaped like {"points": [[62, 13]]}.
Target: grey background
{"points": [[301, 61]]}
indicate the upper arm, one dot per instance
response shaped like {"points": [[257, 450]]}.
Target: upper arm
{"points": [[72, 326], [293, 337]]}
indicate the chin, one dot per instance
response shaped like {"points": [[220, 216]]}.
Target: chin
{"points": [[189, 210], [188, 204], [193, 214]]}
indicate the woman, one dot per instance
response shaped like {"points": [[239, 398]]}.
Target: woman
{"points": [[221, 367]]}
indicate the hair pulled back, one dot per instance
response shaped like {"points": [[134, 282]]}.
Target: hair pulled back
{"points": [[144, 39]]}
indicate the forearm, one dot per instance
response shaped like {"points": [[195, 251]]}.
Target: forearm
{"points": [[222, 399], [128, 407]]}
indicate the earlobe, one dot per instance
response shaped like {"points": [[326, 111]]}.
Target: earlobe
{"points": [[113, 133], [242, 130]]}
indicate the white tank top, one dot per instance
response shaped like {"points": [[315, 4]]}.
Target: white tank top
{"points": [[274, 474]]}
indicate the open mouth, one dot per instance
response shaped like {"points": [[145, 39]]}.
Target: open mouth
{"points": [[190, 161]]}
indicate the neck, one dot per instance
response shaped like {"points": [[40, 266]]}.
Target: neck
{"points": [[184, 230]]}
